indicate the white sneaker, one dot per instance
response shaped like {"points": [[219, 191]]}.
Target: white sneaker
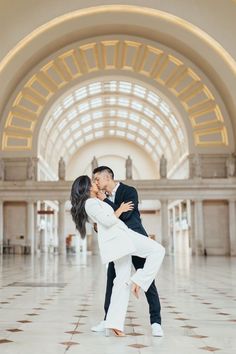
{"points": [[99, 328], [157, 330]]}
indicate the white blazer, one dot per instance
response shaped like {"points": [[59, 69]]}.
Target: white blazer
{"points": [[113, 235]]}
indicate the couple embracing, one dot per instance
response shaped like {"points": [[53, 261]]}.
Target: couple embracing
{"points": [[113, 207]]}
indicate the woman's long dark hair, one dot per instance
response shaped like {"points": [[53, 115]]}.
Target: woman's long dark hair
{"points": [[80, 192]]}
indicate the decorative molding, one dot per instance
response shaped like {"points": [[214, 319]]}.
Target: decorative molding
{"points": [[205, 116]]}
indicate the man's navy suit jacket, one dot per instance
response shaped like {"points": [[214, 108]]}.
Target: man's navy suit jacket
{"points": [[131, 218]]}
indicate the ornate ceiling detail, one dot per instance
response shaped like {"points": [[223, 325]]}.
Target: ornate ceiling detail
{"points": [[112, 108], [125, 56]]}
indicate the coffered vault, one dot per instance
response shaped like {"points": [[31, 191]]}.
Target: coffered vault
{"points": [[111, 108], [201, 112]]}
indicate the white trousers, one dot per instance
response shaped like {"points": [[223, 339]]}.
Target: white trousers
{"points": [[154, 254]]}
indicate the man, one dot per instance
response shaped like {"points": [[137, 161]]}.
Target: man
{"points": [[114, 194]]}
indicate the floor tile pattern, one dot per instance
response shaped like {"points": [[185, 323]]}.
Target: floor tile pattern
{"points": [[49, 303]]}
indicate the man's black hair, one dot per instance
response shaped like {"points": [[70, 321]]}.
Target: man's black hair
{"points": [[104, 168]]}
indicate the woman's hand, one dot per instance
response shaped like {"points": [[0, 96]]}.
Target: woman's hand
{"points": [[124, 207]]}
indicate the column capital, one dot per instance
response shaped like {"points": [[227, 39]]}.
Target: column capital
{"points": [[61, 201], [163, 200], [196, 200], [30, 201]]}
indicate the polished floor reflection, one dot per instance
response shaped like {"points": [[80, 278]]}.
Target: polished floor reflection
{"points": [[48, 304]]}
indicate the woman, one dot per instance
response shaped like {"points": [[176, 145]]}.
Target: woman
{"points": [[117, 243]]}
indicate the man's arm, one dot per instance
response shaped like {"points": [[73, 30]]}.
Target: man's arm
{"points": [[102, 196], [130, 196], [113, 205]]}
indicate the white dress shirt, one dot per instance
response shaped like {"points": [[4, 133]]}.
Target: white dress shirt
{"points": [[113, 193]]}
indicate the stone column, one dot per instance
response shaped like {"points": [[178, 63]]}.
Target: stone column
{"points": [[192, 228], [180, 235], [30, 226], [165, 236], [188, 203], [199, 227], [1, 226], [232, 227], [61, 227], [50, 230], [43, 235], [174, 229], [188, 231], [180, 216], [36, 239], [55, 234], [47, 236]]}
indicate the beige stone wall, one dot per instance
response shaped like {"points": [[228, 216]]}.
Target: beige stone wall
{"points": [[216, 17], [152, 224], [112, 153], [216, 227], [15, 223]]}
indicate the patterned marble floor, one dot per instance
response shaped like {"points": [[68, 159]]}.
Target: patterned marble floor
{"points": [[49, 303]]}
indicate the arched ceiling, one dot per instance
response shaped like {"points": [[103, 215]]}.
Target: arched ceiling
{"points": [[112, 108], [203, 114], [196, 37]]}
